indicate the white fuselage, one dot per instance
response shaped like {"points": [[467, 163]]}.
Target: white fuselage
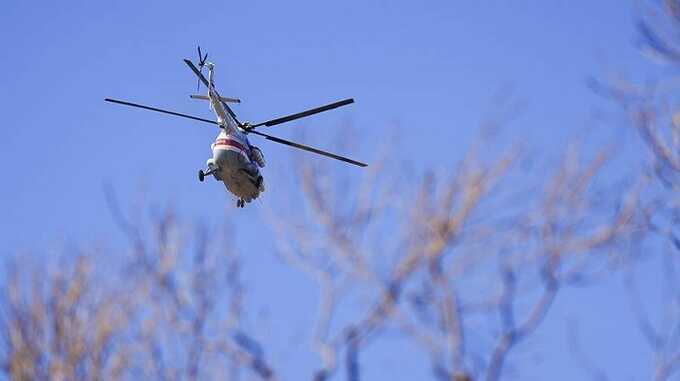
{"points": [[232, 151]]}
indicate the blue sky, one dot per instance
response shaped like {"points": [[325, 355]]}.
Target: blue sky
{"points": [[427, 70]]}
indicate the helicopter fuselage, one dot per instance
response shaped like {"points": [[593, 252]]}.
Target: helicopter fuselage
{"points": [[231, 162], [232, 165]]}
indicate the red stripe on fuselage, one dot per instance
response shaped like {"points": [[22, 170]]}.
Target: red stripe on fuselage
{"points": [[230, 143]]}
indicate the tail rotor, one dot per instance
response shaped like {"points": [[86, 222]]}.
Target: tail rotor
{"points": [[201, 62]]}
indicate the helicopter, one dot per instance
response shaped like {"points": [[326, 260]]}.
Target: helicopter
{"points": [[234, 161]]}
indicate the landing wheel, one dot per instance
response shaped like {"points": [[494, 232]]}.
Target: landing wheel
{"points": [[201, 175], [239, 203]]}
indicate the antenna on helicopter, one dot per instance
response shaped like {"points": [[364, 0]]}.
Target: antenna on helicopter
{"points": [[201, 62]]}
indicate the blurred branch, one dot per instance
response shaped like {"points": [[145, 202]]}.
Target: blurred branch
{"points": [[581, 358]]}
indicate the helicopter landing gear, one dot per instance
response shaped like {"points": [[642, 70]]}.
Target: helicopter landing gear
{"points": [[202, 175]]}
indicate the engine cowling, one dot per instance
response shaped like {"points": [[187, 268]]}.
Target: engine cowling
{"points": [[257, 156]]}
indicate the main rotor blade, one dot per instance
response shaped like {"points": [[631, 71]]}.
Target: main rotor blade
{"points": [[307, 148], [303, 114], [160, 110], [197, 72]]}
